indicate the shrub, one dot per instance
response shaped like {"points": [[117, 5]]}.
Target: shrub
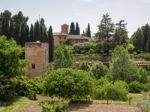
{"points": [[63, 57], [106, 90], [68, 83], [99, 70], [18, 86], [136, 87], [55, 105], [85, 66]]}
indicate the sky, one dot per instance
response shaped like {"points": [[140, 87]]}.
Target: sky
{"points": [[57, 12]]}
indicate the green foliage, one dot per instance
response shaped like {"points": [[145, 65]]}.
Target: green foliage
{"points": [[107, 90], [105, 28], [136, 87], [51, 44], [99, 70], [130, 48], [72, 29], [84, 48], [63, 57], [122, 67], [10, 63], [88, 31], [85, 66], [68, 83], [17, 86], [54, 105]]}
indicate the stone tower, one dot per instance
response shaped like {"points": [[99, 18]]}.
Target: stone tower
{"points": [[64, 28], [37, 55]]}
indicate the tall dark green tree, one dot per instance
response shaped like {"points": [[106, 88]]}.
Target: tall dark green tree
{"points": [[11, 30], [77, 30], [72, 29], [5, 22], [88, 31], [138, 40], [32, 33], [43, 31], [19, 22], [36, 31], [51, 44]]}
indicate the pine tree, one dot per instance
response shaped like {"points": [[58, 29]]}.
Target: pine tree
{"points": [[88, 31], [51, 44], [32, 33], [72, 29], [105, 28], [77, 30]]}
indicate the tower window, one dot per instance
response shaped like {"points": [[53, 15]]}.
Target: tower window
{"points": [[33, 66]]}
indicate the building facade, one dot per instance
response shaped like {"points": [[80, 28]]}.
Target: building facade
{"points": [[37, 55]]}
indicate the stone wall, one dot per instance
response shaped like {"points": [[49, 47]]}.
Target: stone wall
{"points": [[37, 55]]}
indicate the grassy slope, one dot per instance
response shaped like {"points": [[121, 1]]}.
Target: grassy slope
{"points": [[15, 105]]}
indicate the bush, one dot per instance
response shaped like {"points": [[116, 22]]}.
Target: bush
{"points": [[136, 87], [55, 105], [18, 86], [68, 83], [99, 70], [106, 90], [85, 66]]}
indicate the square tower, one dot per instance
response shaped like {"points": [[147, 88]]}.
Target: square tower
{"points": [[37, 55]]}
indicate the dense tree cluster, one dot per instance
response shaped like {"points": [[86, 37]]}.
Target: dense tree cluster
{"points": [[141, 38], [74, 29], [109, 35], [16, 27]]}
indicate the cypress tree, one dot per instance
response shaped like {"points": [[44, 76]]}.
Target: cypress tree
{"points": [[32, 33], [77, 30], [11, 30], [51, 44], [36, 31], [72, 29], [88, 32], [27, 37]]}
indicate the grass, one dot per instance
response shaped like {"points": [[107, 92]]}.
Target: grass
{"points": [[16, 104]]}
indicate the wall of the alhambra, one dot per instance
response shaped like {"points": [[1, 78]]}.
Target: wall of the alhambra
{"points": [[56, 41], [36, 54]]}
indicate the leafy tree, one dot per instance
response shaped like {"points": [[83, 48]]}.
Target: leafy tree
{"points": [[72, 29], [99, 70], [10, 62], [63, 57], [68, 83], [77, 30], [122, 67], [51, 44], [88, 31], [106, 90]]}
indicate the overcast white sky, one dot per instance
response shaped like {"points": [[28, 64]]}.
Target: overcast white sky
{"points": [[56, 12]]}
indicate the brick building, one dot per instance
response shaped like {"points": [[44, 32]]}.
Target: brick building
{"points": [[37, 55]]}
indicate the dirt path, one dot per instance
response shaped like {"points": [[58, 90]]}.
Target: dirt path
{"points": [[101, 108], [36, 107]]}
